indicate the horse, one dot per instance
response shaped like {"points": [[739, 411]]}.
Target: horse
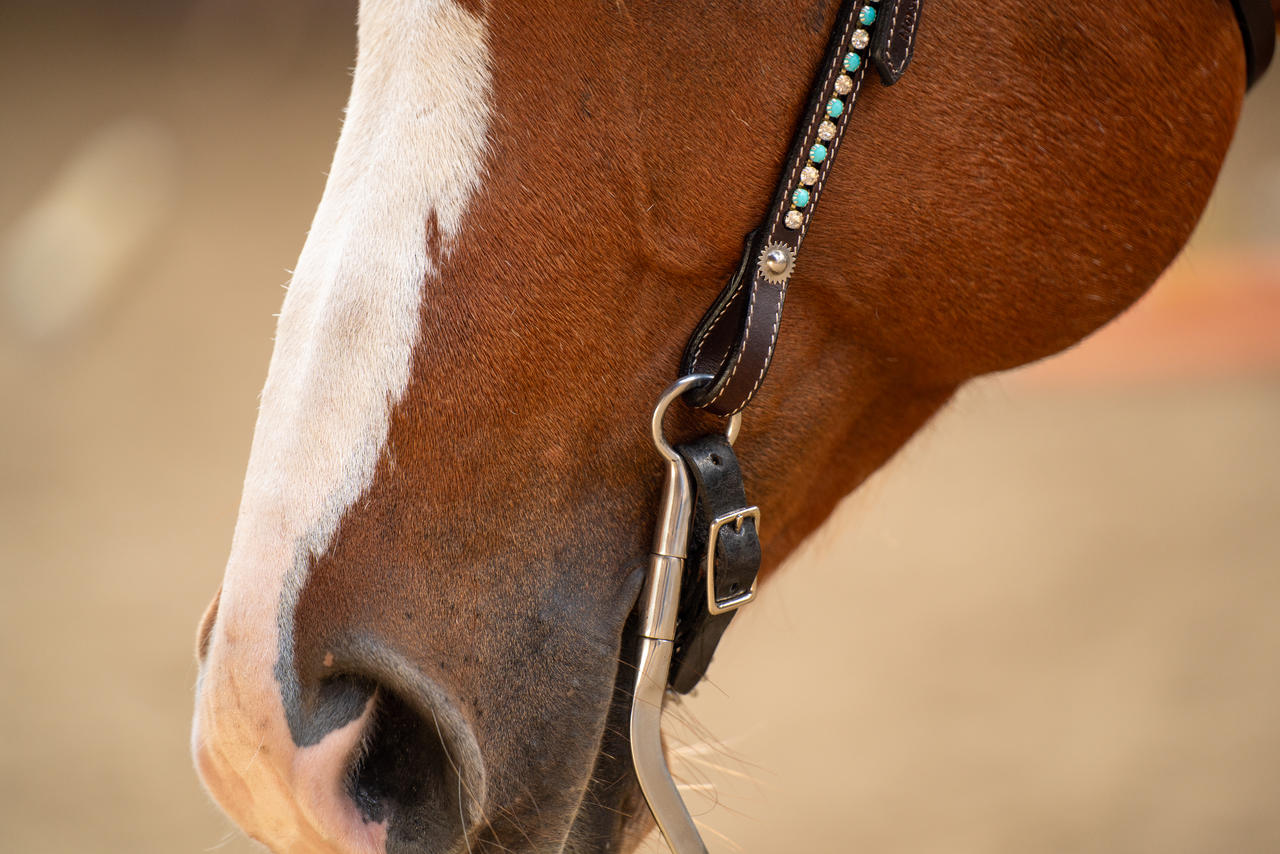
{"points": [[424, 637]]}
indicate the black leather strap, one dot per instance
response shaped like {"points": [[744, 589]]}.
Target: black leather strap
{"points": [[1258, 26], [735, 339], [718, 479]]}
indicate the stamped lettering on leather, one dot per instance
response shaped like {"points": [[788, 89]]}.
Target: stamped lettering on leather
{"points": [[896, 38]]}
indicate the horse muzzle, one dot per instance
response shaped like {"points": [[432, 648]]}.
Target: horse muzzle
{"points": [[369, 756]]}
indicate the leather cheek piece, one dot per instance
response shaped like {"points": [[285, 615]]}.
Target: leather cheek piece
{"points": [[895, 38], [734, 341], [718, 335]]}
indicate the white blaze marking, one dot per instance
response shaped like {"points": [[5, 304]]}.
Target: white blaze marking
{"points": [[411, 149]]}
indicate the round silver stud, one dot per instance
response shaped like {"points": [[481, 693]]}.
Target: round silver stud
{"points": [[861, 38], [826, 131], [794, 220], [808, 176], [776, 261], [844, 84]]}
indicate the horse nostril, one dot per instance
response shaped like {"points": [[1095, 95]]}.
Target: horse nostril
{"points": [[406, 776], [417, 769]]}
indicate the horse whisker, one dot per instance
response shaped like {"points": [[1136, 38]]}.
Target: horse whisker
{"points": [[703, 826]]}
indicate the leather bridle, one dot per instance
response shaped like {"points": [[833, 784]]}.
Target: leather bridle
{"points": [[706, 548]]}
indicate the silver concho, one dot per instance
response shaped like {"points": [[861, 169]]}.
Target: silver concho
{"points": [[776, 262]]}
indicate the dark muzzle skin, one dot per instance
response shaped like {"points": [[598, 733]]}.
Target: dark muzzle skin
{"points": [[493, 673], [439, 767]]}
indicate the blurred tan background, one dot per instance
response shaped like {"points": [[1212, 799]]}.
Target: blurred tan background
{"points": [[1053, 624]]}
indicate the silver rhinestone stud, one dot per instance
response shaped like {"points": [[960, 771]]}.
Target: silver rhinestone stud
{"points": [[808, 176], [860, 39], [826, 131], [775, 261], [844, 84], [794, 219]]}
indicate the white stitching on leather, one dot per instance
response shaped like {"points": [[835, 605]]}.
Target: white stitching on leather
{"points": [[768, 356], [697, 351], [850, 100], [911, 37], [825, 169], [782, 293]]}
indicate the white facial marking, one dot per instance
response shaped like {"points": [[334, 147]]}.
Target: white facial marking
{"points": [[411, 150]]}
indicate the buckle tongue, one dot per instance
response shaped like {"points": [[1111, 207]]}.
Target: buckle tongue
{"points": [[715, 604]]}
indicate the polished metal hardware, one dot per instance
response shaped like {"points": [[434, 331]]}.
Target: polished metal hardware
{"points": [[714, 604], [660, 603]]}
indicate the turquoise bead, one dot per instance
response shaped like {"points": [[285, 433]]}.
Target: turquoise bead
{"points": [[852, 62], [818, 153], [835, 107], [868, 16], [800, 197]]}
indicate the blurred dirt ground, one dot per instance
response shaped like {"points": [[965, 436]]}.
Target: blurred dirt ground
{"points": [[1053, 624]]}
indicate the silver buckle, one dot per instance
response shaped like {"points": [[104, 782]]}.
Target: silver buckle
{"points": [[733, 603]]}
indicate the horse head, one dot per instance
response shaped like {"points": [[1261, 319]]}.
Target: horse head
{"points": [[419, 643]]}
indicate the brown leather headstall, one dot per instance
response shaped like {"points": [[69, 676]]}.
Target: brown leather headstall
{"points": [[735, 339], [706, 547], [733, 344]]}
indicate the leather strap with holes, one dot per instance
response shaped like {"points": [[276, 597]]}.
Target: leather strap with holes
{"points": [[735, 559], [734, 341]]}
